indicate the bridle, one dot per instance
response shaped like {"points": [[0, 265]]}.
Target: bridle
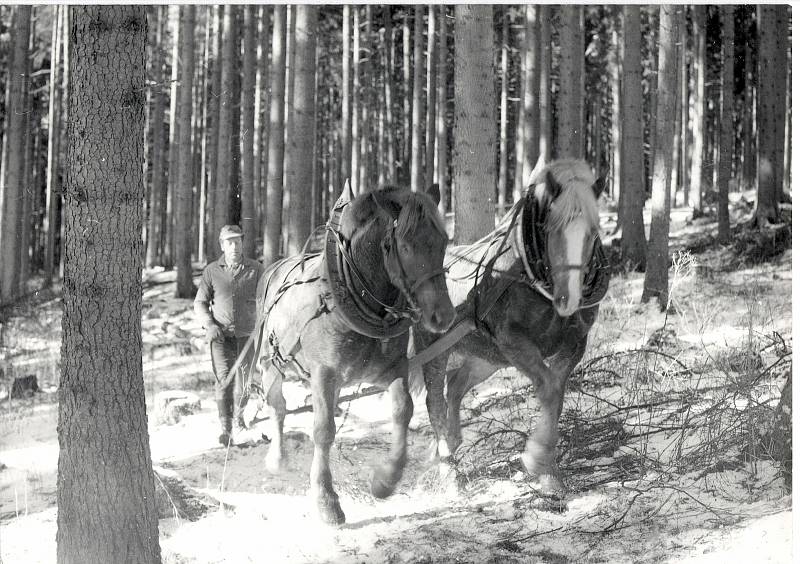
{"points": [[393, 263]]}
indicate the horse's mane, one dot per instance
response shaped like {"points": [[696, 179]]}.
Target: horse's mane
{"points": [[411, 208], [575, 196]]}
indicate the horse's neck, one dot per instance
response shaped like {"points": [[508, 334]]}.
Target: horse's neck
{"points": [[368, 258]]}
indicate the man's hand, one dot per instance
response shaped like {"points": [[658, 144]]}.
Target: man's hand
{"points": [[213, 333]]}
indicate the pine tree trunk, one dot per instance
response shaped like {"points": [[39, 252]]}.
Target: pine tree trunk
{"points": [[31, 133], [66, 89], [570, 141], [183, 193], [364, 176], [475, 133], [408, 94], [168, 219], [749, 150], [502, 169], [656, 280], [782, 88], [441, 114], [222, 189], [726, 121], [13, 173], [347, 94], [297, 155], [388, 112], [274, 204], [355, 139], [615, 87], [249, 219], [767, 114], [202, 133], [106, 491], [154, 233], [430, 121], [632, 165], [545, 121], [52, 196], [260, 44], [235, 181], [698, 113], [530, 89], [417, 149], [214, 107]]}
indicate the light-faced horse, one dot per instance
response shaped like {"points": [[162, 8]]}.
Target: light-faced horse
{"points": [[526, 296], [342, 316]]}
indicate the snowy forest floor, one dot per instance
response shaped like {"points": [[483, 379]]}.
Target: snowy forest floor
{"points": [[660, 438]]}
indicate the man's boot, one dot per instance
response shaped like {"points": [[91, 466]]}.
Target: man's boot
{"points": [[225, 420]]}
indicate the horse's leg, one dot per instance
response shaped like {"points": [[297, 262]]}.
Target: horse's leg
{"points": [[272, 383], [323, 397], [540, 451], [471, 373], [386, 475]]}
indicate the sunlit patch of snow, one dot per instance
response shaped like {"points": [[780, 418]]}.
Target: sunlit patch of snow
{"points": [[764, 539]]}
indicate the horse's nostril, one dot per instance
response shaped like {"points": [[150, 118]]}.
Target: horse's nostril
{"points": [[562, 301]]}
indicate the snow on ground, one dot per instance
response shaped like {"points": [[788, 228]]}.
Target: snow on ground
{"points": [[640, 491]]}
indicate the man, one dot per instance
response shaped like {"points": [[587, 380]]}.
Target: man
{"points": [[226, 306]]}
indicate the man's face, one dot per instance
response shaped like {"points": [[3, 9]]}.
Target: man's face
{"points": [[232, 248]]}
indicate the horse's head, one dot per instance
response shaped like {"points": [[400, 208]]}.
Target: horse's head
{"points": [[566, 193], [413, 243]]}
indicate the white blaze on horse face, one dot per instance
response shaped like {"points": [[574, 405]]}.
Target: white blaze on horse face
{"points": [[568, 282]]}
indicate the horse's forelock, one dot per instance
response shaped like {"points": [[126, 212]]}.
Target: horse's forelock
{"points": [[415, 211], [575, 198]]}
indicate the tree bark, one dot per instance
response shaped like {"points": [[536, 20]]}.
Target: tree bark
{"points": [[154, 233], [365, 140], [272, 228], [502, 168], [355, 139], [656, 279], [183, 193], [531, 94], [767, 201], [545, 121], [726, 122], [214, 106], [698, 112], [632, 166], [347, 94], [53, 190], [297, 157], [248, 218], [614, 67], [475, 133], [417, 175], [441, 115], [106, 491], [222, 189], [570, 141], [408, 93], [168, 218], [13, 173], [388, 94], [430, 122]]}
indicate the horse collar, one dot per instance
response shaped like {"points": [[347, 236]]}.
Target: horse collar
{"points": [[354, 310]]}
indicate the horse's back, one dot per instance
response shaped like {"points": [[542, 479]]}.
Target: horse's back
{"points": [[288, 296]]}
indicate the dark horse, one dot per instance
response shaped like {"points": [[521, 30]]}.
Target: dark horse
{"points": [[342, 317], [526, 295]]}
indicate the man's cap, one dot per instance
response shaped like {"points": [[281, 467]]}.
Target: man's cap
{"points": [[229, 232]]}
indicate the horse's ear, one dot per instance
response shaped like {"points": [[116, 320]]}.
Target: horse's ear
{"points": [[346, 196], [553, 187], [537, 170], [434, 193], [599, 186]]}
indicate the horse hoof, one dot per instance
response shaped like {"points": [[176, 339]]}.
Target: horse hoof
{"points": [[451, 481], [549, 485], [380, 488], [331, 513]]}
